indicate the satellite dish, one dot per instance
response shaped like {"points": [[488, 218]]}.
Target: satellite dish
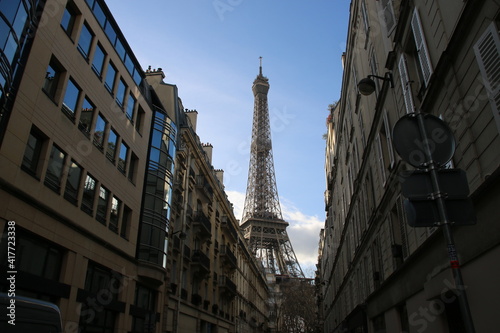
{"points": [[409, 144]]}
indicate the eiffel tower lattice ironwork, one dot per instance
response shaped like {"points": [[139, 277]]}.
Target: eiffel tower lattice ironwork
{"points": [[262, 223]]}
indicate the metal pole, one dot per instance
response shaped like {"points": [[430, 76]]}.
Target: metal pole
{"points": [[446, 224]]}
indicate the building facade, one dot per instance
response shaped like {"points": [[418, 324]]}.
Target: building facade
{"points": [[376, 273], [101, 174]]}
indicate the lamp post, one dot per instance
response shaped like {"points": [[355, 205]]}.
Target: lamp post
{"points": [[366, 87]]}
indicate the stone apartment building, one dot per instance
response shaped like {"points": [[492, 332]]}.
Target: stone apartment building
{"points": [[120, 219], [375, 272]]}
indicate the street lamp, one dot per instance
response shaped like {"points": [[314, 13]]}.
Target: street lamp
{"points": [[182, 234], [367, 86]]}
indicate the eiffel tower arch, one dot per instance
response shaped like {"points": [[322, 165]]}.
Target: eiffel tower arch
{"points": [[262, 222]]}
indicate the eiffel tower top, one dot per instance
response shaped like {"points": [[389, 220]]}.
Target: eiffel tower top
{"points": [[261, 200]]}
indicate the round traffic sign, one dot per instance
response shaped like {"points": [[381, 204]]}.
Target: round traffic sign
{"points": [[410, 145]]}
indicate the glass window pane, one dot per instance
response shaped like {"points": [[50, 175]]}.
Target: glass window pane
{"points": [[86, 116], [122, 161], [70, 99], [54, 169], [110, 153], [32, 153], [137, 77], [129, 64], [68, 20], [102, 204], [120, 93], [99, 14], [98, 61], [110, 32], [73, 182], [88, 194], [110, 77], [100, 128], [10, 48], [120, 49], [9, 9], [51, 80], [114, 214], [130, 107], [20, 21], [85, 41]]}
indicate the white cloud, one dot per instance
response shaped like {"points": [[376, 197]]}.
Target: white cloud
{"points": [[303, 230]]}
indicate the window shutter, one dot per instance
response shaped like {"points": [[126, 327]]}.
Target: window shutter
{"points": [[487, 51], [405, 84], [389, 138], [423, 53]]}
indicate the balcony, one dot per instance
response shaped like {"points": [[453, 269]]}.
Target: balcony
{"points": [[200, 264], [229, 227], [204, 187], [228, 258], [227, 287], [202, 225]]}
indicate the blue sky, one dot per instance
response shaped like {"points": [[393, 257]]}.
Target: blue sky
{"points": [[210, 49]]}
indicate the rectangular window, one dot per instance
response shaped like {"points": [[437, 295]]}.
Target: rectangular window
{"points": [[109, 83], [389, 17], [130, 107], [140, 119], [120, 93], [89, 195], [52, 78], [380, 158], [102, 205], [85, 41], [73, 183], [86, 115], [54, 170], [114, 214], [132, 169], [129, 64], [122, 160], [406, 85], [68, 20], [99, 14], [70, 99], [120, 49], [99, 131], [127, 215], [98, 61], [112, 141], [32, 152]]}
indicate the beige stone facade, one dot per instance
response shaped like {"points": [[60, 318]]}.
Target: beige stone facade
{"points": [[377, 273], [101, 172]]}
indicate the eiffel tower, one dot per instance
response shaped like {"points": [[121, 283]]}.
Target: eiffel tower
{"points": [[262, 223]]}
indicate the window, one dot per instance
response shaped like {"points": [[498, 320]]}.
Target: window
{"points": [[110, 77], [102, 205], [389, 18], [100, 129], [73, 183], [386, 132], [130, 107], [140, 119], [120, 93], [132, 169], [98, 62], [36, 256], [85, 41], [112, 141], [114, 214], [145, 299], [52, 78], [122, 160], [54, 170], [86, 116], [32, 152], [487, 50], [68, 20], [127, 215], [100, 283], [380, 158], [406, 85], [89, 195], [364, 16], [71, 99]]}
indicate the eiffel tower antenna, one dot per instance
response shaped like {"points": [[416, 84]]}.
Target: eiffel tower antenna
{"points": [[263, 224]]}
